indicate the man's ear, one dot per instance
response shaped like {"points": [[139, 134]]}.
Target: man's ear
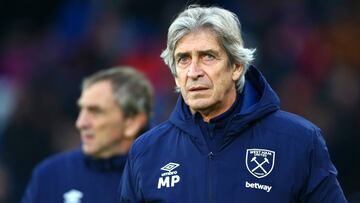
{"points": [[134, 124], [237, 70]]}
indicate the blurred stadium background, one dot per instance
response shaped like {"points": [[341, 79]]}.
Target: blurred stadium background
{"points": [[308, 50]]}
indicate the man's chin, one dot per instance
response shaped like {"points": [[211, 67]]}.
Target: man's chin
{"points": [[88, 150], [199, 103]]}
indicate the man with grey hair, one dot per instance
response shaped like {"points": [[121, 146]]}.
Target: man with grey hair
{"points": [[115, 107], [227, 139]]}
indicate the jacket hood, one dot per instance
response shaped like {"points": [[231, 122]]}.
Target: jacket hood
{"points": [[259, 100]]}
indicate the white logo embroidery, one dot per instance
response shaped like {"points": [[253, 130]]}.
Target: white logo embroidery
{"points": [[73, 196], [260, 162], [258, 186], [169, 178]]}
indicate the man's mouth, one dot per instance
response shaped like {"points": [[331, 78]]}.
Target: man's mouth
{"points": [[87, 137], [197, 88]]}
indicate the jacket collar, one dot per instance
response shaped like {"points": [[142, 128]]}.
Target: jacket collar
{"points": [[259, 100], [115, 163]]}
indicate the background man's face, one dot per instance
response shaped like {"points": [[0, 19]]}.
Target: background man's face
{"points": [[204, 76], [100, 121]]}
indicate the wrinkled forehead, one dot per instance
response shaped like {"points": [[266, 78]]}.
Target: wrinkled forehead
{"points": [[202, 39], [98, 94]]}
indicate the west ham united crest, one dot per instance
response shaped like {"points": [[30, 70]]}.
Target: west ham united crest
{"points": [[260, 162]]}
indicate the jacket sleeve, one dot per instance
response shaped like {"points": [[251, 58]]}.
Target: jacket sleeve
{"points": [[322, 184], [129, 186]]}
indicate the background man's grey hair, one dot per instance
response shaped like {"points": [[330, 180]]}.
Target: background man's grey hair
{"points": [[131, 89], [223, 23]]}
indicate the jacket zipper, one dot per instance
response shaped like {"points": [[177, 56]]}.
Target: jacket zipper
{"points": [[211, 157]]}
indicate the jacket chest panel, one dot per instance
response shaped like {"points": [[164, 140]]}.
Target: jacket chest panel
{"points": [[247, 172]]}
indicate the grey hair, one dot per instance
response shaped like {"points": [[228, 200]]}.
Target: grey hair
{"points": [[223, 23], [132, 91]]}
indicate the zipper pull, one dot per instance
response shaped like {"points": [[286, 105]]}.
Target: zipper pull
{"points": [[211, 155]]}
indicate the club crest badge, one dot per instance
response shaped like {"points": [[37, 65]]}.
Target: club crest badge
{"points": [[260, 162]]}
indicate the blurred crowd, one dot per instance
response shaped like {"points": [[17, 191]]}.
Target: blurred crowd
{"points": [[307, 49]]}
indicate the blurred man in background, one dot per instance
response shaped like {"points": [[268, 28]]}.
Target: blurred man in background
{"points": [[227, 139], [115, 107]]}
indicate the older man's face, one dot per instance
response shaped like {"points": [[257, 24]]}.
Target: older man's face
{"points": [[204, 76], [100, 121]]}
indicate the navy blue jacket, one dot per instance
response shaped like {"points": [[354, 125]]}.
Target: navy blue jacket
{"points": [[72, 177], [266, 155]]}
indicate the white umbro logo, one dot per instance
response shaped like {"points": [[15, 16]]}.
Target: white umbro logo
{"points": [[170, 166], [169, 178]]}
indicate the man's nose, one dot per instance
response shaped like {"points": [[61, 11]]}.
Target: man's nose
{"points": [[82, 120], [195, 71]]}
